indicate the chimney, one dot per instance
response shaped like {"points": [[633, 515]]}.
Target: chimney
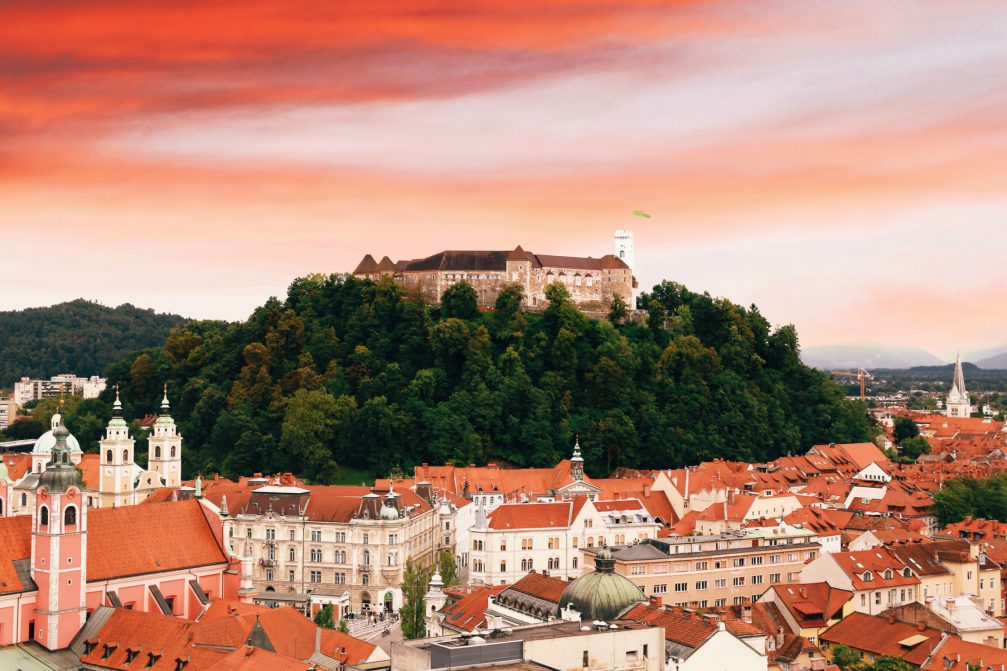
{"points": [[656, 601], [891, 619], [646, 488], [804, 592]]}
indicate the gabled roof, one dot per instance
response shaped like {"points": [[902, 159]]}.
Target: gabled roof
{"points": [[534, 515], [812, 604], [540, 586], [15, 546], [469, 612], [866, 568], [882, 636]]}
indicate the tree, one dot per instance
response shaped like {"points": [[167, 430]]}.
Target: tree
{"points": [[324, 617], [904, 428], [343, 627], [618, 309], [307, 432], [412, 615], [886, 663], [448, 568], [846, 658], [460, 300], [913, 448]]}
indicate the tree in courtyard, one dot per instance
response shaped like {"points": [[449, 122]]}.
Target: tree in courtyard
{"points": [[904, 428], [448, 569], [846, 658], [324, 618], [913, 448], [886, 663], [414, 587], [343, 627]]}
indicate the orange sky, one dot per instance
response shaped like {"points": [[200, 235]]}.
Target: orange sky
{"points": [[840, 164]]}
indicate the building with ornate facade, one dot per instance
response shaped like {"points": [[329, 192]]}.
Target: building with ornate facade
{"points": [[591, 282]]}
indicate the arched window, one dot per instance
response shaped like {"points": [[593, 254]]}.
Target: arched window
{"points": [[172, 451], [367, 558], [70, 516], [43, 516], [108, 456], [24, 500], [125, 456], [157, 452], [65, 458]]}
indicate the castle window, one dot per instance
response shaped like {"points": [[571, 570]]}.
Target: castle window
{"points": [[43, 516], [70, 516], [108, 456]]}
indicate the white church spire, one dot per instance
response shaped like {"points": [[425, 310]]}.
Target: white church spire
{"points": [[958, 402]]}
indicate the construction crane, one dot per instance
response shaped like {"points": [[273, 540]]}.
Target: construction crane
{"points": [[861, 375]]}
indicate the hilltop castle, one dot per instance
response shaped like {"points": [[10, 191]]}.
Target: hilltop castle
{"points": [[590, 281]]}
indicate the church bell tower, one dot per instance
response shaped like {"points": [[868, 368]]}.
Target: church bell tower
{"points": [[59, 548], [165, 446], [115, 478]]}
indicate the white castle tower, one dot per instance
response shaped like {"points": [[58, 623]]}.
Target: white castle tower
{"points": [[958, 403], [624, 247]]}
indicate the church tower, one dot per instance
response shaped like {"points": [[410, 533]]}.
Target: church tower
{"points": [[115, 477], [624, 247], [59, 548], [165, 447], [958, 403]]}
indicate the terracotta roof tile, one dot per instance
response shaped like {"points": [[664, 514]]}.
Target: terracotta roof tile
{"points": [[15, 544]]}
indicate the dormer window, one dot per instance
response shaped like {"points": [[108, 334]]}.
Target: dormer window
{"points": [[906, 573], [888, 574], [868, 576]]}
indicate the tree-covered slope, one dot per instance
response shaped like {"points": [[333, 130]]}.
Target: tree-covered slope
{"points": [[351, 373], [81, 337]]}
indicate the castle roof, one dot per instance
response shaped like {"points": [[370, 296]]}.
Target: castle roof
{"points": [[483, 260]]}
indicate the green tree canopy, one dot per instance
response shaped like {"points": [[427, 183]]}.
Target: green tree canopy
{"points": [[461, 301], [904, 428], [415, 580]]}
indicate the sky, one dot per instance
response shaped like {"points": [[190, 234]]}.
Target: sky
{"points": [[843, 165]]}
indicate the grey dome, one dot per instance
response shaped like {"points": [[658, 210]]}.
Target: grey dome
{"points": [[602, 594], [47, 440]]}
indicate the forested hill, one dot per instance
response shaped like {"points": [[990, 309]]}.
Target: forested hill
{"points": [[349, 373], [79, 337]]}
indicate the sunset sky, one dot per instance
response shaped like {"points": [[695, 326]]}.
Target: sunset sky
{"points": [[841, 164]]}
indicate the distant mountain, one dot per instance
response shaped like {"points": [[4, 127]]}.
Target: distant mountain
{"points": [[995, 362], [79, 337], [867, 355]]}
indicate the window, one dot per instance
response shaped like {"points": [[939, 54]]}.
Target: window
{"points": [[720, 584], [367, 539], [774, 559], [584, 660], [393, 539], [292, 535], [738, 562], [863, 600], [719, 602], [553, 563], [269, 574], [248, 532], [792, 556], [24, 502], [315, 576], [367, 557], [125, 456], [157, 452], [701, 585], [393, 559], [316, 536], [638, 569], [756, 579], [365, 580], [526, 544], [43, 516], [553, 544], [877, 598], [316, 555], [340, 579], [172, 451], [70, 516], [291, 576], [340, 536], [739, 582], [756, 561], [292, 554], [573, 563], [503, 545], [774, 578], [270, 534], [576, 541], [906, 573], [108, 456], [681, 587]]}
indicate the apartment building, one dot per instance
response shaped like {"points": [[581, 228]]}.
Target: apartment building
{"points": [[347, 540], [516, 538], [27, 389], [715, 570]]}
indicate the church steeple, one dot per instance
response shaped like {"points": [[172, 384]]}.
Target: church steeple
{"points": [[577, 462], [165, 451], [958, 402], [115, 477]]}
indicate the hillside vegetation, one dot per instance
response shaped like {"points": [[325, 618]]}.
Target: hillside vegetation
{"points": [[348, 373], [79, 337]]}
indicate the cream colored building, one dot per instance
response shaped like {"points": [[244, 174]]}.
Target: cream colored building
{"points": [[715, 570], [344, 540], [516, 538]]}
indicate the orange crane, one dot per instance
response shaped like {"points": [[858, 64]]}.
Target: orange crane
{"points": [[861, 375]]}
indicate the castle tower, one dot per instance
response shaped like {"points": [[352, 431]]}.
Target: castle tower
{"points": [[958, 403], [165, 447], [115, 477], [59, 548], [577, 462], [624, 247]]}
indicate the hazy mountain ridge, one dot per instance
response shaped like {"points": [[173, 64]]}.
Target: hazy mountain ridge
{"points": [[867, 355]]}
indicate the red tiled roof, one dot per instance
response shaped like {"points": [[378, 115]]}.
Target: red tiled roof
{"points": [[812, 604], [876, 561], [541, 586], [881, 636], [679, 627], [90, 468], [135, 540], [15, 544], [18, 463], [468, 613], [532, 516]]}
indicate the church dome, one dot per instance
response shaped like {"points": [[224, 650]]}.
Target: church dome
{"points": [[602, 594], [389, 512], [47, 440]]}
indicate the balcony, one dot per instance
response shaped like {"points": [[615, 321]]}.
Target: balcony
{"points": [[267, 562]]}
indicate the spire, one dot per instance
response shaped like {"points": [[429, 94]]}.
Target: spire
{"points": [[223, 506], [60, 473], [959, 381], [165, 406], [577, 461], [117, 406], [257, 637]]}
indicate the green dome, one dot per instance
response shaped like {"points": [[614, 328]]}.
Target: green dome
{"points": [[602, 594]]}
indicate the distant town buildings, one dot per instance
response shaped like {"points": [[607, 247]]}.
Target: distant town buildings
{"points": [[591, 282], [27, 389], [8, 412]]}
